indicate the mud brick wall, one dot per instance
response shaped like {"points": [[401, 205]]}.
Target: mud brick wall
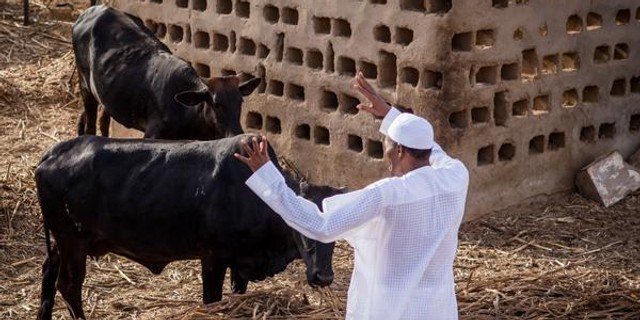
{"points": [[525, 92]]}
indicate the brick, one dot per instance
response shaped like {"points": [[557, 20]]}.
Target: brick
{"points": [[608, 179]]}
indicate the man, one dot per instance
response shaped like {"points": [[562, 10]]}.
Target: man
{"points": [[404, 229]]}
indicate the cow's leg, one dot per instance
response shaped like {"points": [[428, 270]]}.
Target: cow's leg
{"points": [[73, 266], [105, 120], [87, 122], [212, 279], [238, 283], [50, 270]]}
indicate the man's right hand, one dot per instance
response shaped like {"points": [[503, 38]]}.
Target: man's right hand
{"points": [[377, 106]]}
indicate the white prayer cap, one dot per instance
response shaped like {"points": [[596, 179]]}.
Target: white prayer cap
{"points": [[411, 131]]}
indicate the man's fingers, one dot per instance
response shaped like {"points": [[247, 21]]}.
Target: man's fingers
{"points": [[246, 148], [241, 158], [264, 146]]}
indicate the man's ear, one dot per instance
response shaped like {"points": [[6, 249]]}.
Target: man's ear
{"points": [[248, 86], [192, 98]]}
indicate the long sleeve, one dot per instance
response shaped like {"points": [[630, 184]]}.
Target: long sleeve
{"points": [[355, 208]]}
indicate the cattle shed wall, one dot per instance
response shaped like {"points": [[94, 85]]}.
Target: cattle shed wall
{"points": [[524, 92]]}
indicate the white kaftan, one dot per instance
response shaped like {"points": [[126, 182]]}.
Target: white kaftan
{"points": [[404, 231]]}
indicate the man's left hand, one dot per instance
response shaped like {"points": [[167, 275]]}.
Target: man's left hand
{"points": [[257, 153]]}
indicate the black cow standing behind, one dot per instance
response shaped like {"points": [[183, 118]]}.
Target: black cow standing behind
{"points": [[142, 85], [155, 202]]}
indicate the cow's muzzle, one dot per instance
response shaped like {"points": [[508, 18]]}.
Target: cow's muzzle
{"points": [[318, 278]]}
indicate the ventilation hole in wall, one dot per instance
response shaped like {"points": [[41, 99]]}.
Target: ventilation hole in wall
{"points": [[279, 50], [550, 64], [378, 1], [432, 80], [588, 134], [480, 115], [529, 64], [500, 4], [590, 94], [621, 51], [634, 123], [413, 5], [510, 71], [570, 62], [369, 70], [619, 87], [201, 40], [607, 131], [506, 152], [243, 9], [303, 131], [243, 76], [322, 25], [349, 104], [276, 88], [487, 75], [485, 156], [314, 59], [536, 145], [294, 55], [232, 41], [623, 17], [354, 143], [485, 39], [601, 54], [522, 2], [594, 21], [458, 120], [295, 92], [161, 31], [176, 33], [541, 105], [410, 75], [375, 149], [254, 120], [329, 101], [500, 108], [570, 98], [182, 3], [220, 42], [440, 6], [202, 70], [574, 24], [638, 14], [199, 5], [462, 41], [635, 84], [321, 136], [329, 58], [224, 6], [518, 34], [404, 36], [556, 140], [520, 108], [156, 1], [388, 69], [271, 14], [263, 51], [247, 46], [346, 66], [382, 33], [290, 15], [341, 28], [272, 124], [227, 72]]}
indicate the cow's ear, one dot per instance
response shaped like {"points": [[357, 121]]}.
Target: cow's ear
{"points": [[248, 86], [192, 98]]}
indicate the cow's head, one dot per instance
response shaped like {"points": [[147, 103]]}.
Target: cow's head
{"points": [[223, 97], [317, 256]]}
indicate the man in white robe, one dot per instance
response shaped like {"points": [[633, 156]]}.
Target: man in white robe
{"points": [[404, 229]]}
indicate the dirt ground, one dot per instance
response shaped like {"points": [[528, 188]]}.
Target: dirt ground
{"points": [[563, 257]]}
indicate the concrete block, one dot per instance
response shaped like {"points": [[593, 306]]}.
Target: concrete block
{"points": [[608, 179]]}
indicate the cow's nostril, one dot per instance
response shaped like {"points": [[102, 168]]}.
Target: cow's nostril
{"points": [[323, 280]]}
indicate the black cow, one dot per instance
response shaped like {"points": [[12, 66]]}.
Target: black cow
{"points": [[137, 80], [155, 202]]}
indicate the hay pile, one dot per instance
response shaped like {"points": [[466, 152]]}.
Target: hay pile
{"points": [[563, 258]]}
